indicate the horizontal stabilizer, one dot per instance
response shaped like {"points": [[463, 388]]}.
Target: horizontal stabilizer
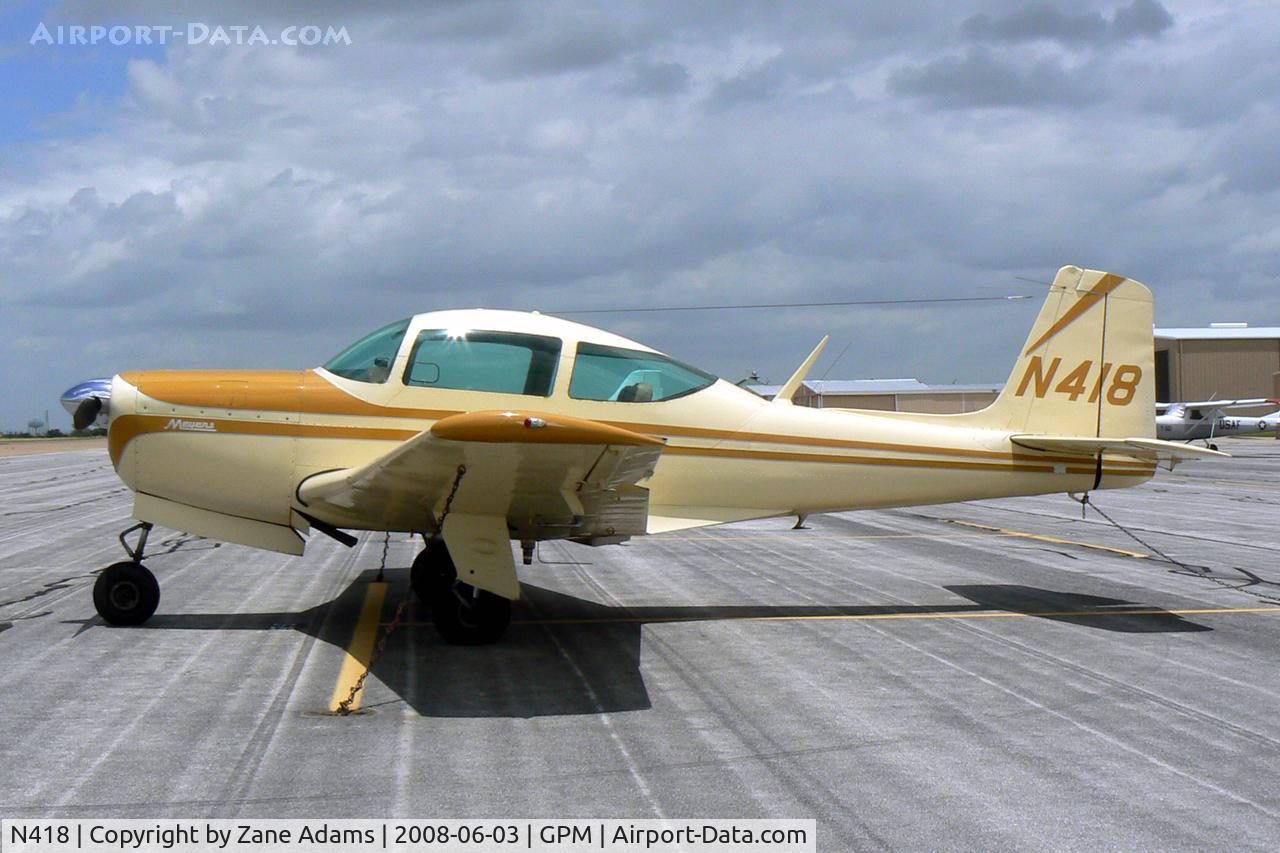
{"points": [[1147, 448]]}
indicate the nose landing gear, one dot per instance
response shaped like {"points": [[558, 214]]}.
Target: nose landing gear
{"points": [[463, 614], [126, 593]]}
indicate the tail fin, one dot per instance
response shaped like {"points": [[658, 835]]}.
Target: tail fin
{"points": [[1087, 368]]}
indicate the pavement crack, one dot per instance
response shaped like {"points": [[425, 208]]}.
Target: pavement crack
{"points": [[61, 507], [47, 589]]}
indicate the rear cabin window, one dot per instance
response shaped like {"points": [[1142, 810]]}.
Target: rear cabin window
{"points": [[369, 359], [501, 362], [632, 376]]}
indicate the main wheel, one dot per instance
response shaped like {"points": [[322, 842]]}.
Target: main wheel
{"points": [[126, 594], [431, 570], [463, 614]]}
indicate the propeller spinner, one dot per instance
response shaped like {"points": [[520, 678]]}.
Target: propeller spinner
{"points": [[88, 403]]}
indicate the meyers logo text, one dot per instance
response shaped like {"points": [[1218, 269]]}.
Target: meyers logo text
{"points": [[191, 426]]}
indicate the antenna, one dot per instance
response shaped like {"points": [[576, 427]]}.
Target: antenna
{"points": [[747, 307], [837, 360]]}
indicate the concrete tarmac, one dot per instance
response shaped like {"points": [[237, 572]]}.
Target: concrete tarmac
{"points": [[990, 675]]}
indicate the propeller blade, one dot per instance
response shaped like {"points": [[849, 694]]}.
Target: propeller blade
{"points": [[87, 412]]}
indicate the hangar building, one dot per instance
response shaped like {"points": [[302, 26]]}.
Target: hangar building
{"points": [[1222, 361], [894, 395]]}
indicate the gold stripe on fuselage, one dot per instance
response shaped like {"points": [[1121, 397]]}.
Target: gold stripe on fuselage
{"points": [[307, 392], [127, 427]]}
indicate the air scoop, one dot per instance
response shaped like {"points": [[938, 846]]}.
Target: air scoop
{"points": [[88, 403]]}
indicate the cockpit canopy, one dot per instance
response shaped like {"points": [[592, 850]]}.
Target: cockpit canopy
{"points": [[512, 362], [631, 376]]}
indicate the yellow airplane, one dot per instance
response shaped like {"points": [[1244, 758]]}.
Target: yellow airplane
{"points": [[479, 427]]}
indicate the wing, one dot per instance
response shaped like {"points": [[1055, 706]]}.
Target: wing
{"points": [[1213, 406], [544, 473], [528, 475]]}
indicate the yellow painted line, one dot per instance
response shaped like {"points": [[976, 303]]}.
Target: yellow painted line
{"points": [[360, 649], [805, 534], [888, 617], [1249, 484], [1040, 537]]}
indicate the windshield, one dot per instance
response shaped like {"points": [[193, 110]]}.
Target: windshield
{"points": [[631, 376], [369, 359]]}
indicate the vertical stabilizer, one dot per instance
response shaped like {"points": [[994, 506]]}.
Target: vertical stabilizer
{"points": [[1088, 367]]}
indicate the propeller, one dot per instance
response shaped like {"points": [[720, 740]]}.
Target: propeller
{"points": [[87, 402], [87, 412]]}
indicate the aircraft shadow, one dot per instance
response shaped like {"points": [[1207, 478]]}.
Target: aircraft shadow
{"points": [[1093, 611], [569, 656]]}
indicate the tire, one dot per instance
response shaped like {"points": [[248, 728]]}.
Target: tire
{"points": [[463, 615], [126, 594], [431, 570]]}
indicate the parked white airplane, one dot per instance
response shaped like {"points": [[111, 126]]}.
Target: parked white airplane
{"points": [[477, 427], [1205, 421]]}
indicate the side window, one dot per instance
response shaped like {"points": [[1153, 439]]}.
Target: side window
{"points": [[631, 376], [369, 359], [502, 362]]}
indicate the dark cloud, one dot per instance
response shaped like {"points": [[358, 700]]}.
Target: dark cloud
{"points": [[1043, 21], [980, 78], [1140, 19], [647, 77], [573, 42]]}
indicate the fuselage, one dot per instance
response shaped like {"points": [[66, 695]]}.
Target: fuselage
{"points": [[238, 443]]}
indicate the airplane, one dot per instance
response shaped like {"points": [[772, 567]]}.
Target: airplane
{"points": [[1205, 421], [478, 427]]}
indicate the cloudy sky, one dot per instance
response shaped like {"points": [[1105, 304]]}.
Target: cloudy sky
{"points": [[252, 205]]}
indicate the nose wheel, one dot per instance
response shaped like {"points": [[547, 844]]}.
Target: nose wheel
{"points": [[463, 614], [126, 593]]}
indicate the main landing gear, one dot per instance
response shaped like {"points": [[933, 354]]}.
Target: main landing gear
{"points": [[126, 593], [463, 614]]}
